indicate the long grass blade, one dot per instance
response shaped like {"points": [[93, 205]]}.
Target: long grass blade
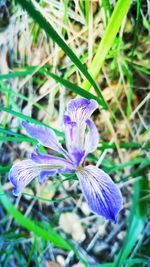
{"points": [[137, 220], [48, 235], [73, 87], [107, 41], [69, 85], [39, 18], [29, 119], [32, 226]]}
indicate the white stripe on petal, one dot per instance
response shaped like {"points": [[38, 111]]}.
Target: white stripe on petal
{"points": [[103, 196], [45, 136], [81, 109], [22, 173]]}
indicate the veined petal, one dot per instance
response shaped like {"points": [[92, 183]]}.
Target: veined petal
{"points": [[45, 136], [78, 156], [81, 109], [102, 195], [50, 160], [71, 133], [73, 140], [92, 137], [45, 173], [23, 173]]}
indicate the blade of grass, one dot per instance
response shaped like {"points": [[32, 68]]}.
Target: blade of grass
{"points": [[29, 119], [66, 4], [107, 9], [5, 89], [5, 169], [129, 263], [39, 18], [135, 38], [73, 87], [15, 74], [135, 172], [18, 139], [86, 3], [6, 131], [129, 163], [136, 221], [48, 235], [46, 200], [51, 235], [126, 145], [107, 41]]}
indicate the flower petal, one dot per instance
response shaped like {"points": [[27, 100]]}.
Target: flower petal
{"points": [[103, 196], [21, 174], [81, 109], [45, 173], [50, 160], [92, 137], [71, 132], [45, 136], [74, 141]]}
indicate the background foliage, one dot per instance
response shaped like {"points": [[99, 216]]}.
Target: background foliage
{"points": [[51, 52]]}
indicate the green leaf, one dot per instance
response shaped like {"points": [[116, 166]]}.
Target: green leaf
{"points": [[108, 38], [32, 226], [107, 9], [129, 163], [6, 131], [29, 119], [5, 89], [137, 219], [40, 19], [143, 145], [69, 85], [5, 169], [73, 87], [18, 139]]}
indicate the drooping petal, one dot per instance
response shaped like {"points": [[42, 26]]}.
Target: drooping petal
{"points": [[45, 136], [50, 160], [92, 137], [23, 173], [81, 109], [102, 195], [45, 173], [41, 166]]}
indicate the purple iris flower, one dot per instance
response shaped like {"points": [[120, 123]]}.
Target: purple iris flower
{"points": [[102, 195]]}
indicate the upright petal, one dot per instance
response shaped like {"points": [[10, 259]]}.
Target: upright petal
{"points": [[81, 109], [102, 195], [71, 132], [78, 111], [74, 140], [45, 136], [23, 173], [92, 137]]}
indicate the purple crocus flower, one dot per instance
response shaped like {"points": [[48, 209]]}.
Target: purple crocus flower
{"points": [[102, 195]]}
